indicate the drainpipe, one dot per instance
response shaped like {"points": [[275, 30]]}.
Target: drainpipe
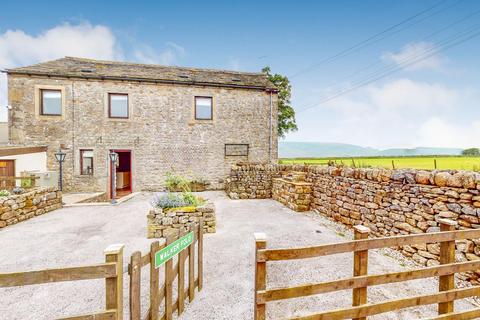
{"points": [[73, 125], [270, 143]]}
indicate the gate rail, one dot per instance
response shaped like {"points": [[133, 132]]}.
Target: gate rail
{"points": [[111, 270], [360, 281], [165, 292]]}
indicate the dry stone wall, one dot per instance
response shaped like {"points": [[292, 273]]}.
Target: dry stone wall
{"points": [[163, 223], [389, 202], [251, 181], [293, 191], [17, 208]]}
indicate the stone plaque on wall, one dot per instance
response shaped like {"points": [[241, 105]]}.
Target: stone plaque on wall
{"points": [[236, 150]]}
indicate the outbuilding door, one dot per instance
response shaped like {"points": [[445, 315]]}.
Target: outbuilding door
{"points": [[7, 170]]}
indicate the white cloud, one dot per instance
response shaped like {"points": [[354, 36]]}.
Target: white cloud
{"points": [[83, 40], [397, 113], [145, 53], [18, 48], [413, 51], [439, 132], [405, 95]]}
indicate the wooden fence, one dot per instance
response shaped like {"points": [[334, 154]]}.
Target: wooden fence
{"points": [[361, 280], [26, 182], [111, 270], [164, 293]]}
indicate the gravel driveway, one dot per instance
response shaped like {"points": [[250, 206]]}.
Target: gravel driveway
{"points": [[78, 236]]}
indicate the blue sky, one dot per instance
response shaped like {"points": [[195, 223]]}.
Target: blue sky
{"points": [[431, 103]]}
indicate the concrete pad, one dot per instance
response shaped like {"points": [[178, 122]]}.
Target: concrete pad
{"points": [[79, 235]]}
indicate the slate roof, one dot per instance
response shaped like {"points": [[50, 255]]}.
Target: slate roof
{"points": [[115, 70]]}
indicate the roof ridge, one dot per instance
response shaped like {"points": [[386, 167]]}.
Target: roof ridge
{"points": [[159, 65]]}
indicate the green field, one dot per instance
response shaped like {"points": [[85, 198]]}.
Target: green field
{"points": [[419, 162]]}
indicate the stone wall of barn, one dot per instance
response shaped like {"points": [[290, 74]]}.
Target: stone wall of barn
{"points": [[389, 202], [161, 131]]}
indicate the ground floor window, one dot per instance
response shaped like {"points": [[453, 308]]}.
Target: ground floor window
{"points": [[86, 162]]}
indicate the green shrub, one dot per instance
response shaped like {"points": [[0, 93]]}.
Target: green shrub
{"points": [[4, 193], [26, 183], [176, 200], [175, 182]]}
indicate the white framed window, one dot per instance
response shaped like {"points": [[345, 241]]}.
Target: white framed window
{"points": [[203, 108], [118, 105], [50, 102]]}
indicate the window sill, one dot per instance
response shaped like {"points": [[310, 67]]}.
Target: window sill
{"points": [[50, 117], [119, 119], [193, 122]]}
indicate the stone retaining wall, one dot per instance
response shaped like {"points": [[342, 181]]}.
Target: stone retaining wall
{"points": [[17, 208], [293, 191], [389, 202], [162, 223], [251, 181]]}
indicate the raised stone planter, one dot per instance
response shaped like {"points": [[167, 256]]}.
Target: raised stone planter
{"points": [[17, 208], [162, 223]]}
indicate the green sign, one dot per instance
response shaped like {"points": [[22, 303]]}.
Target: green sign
{"points": [[172, 249]]}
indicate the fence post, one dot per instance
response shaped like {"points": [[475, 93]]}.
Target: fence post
{"points": [[260, 275], [168, 285], [447, 255], [360, 267], [200, 254], [114, 286], [135, 279], [181, 277], [32, 181], [191, 267], [154, 282]]}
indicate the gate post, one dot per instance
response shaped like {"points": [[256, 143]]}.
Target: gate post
{"points": [[447, 255], [154, 282], [360, 267], [114, 286], [200, 254], [260, 275], [135, 279]]}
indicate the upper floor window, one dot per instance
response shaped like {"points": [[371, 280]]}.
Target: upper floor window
{"points": [[203, 108], [86, 162], [118, 105], [51, 102]]}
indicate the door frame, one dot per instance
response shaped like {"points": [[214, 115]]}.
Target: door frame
{"points": [[110, 171]]}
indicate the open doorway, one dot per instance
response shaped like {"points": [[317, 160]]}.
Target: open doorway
{"points": [[123, 173]]}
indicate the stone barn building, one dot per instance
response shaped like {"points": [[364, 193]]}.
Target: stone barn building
{"points": [[159, 119]]}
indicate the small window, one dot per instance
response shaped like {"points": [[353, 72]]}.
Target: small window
{"points": [[203, 108], [86, 162], [118, 105], [51, 103]]}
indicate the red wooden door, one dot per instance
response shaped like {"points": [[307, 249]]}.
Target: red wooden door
{"points": [[7, 169]]}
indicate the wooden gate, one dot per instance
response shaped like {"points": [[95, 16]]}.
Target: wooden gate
{"points": [[164, 293], [111, 270], [360, 281]]}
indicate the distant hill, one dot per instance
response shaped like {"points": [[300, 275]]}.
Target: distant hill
{"points": [[287, 149]]}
